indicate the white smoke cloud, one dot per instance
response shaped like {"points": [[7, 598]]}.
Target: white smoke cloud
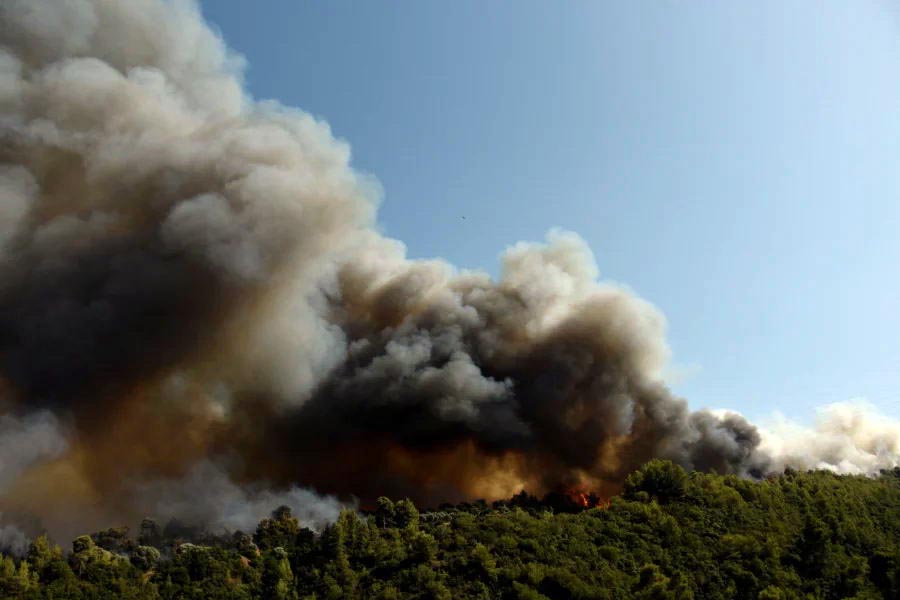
{"points": [[851, 437], [207, 497]]}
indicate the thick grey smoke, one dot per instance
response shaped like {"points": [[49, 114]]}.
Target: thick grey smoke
{"points": [[191, 277]]}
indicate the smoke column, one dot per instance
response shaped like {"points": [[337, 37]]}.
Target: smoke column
{"points": [[195, 304]]}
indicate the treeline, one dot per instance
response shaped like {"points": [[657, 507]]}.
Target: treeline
{"points": [[669, 535]]}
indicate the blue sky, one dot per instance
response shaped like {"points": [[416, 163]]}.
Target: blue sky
{"points": [[737, 164]]}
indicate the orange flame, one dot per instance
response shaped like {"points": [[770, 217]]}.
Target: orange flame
{"points": [[587, 500]]}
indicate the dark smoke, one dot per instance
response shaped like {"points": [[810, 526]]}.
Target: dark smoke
{"points": [[192, 278], [545, 368]]}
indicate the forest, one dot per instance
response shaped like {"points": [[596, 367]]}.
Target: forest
{"points": [[669, 534]]}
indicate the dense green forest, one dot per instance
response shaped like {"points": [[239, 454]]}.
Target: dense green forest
{"points": [[669, 535]]}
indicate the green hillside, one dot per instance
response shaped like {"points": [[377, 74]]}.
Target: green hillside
{"points": [[670, 535]]}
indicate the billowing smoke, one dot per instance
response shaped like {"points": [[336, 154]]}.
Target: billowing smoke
{"points": [[192, 283], [466, 385]]}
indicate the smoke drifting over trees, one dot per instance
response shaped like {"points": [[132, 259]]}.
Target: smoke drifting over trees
{"points": [[192, 283]]}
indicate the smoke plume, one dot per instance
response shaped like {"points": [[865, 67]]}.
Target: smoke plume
{"points": [[192, 282]]}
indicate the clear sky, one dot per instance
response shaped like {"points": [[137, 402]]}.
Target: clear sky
{"points": [[735, 163]]}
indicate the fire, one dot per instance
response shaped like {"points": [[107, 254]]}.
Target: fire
{"points": [[587, 500]]}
